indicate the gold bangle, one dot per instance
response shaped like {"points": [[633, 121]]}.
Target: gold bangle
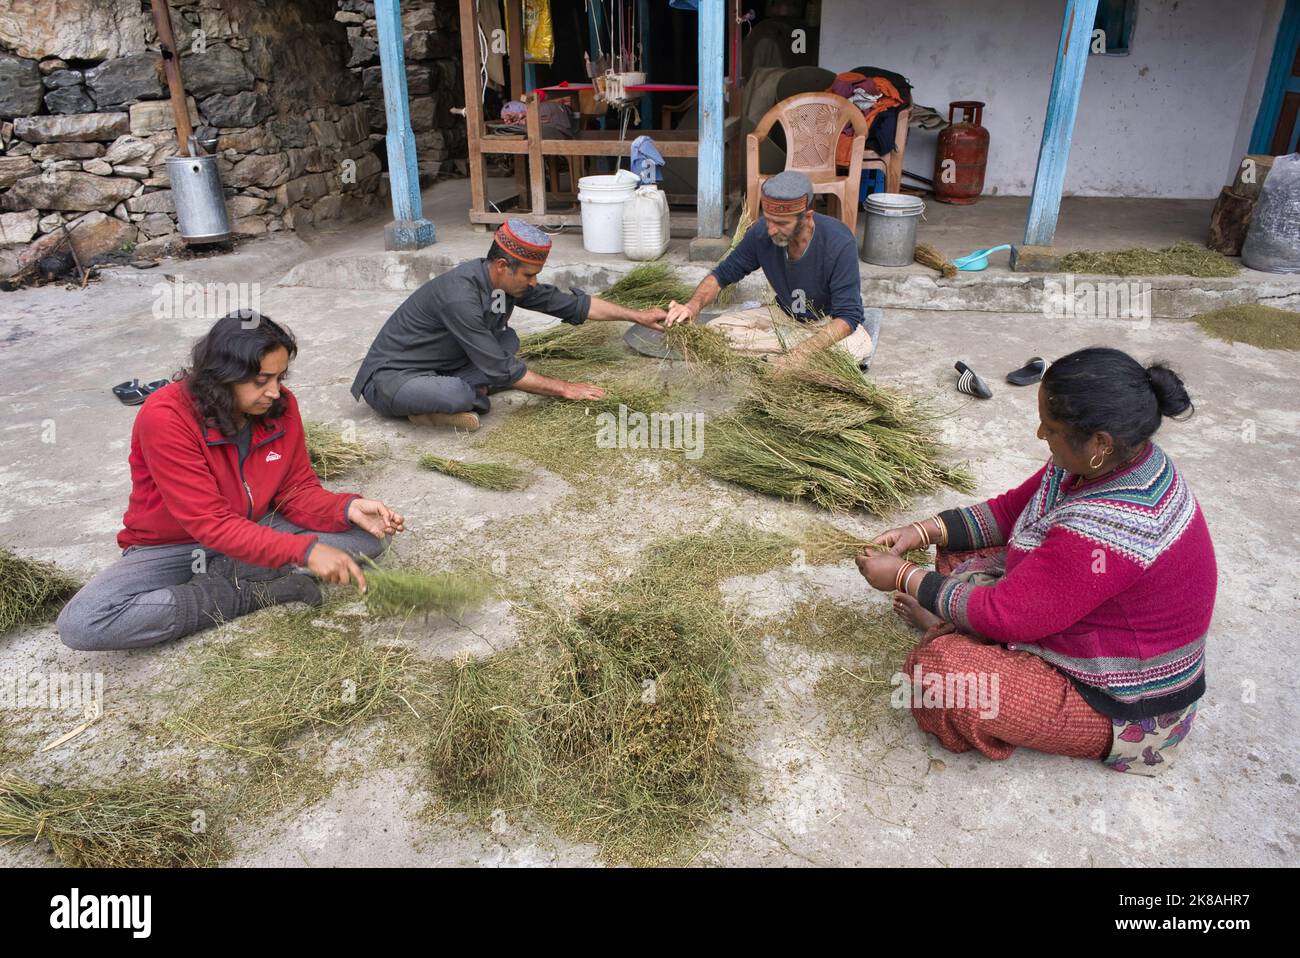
{"points": [[943, 529], [925, 536], [898, 578]]}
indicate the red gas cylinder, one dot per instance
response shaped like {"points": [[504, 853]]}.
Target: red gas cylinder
{"points": [[962, 154]]}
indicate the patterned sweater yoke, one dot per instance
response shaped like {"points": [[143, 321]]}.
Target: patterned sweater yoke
{"points": [[1138, 514]]}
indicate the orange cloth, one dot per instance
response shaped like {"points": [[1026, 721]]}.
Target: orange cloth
{"points": [[887, 96]]}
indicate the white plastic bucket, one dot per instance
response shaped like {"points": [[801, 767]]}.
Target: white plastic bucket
{"points": [[889, 237], [602, 197]]}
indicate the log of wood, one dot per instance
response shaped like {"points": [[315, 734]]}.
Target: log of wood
{"points": [[1251, 173], [1229, 221]]}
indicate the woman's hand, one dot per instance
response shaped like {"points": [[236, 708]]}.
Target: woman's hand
{"points": [[375, 517], [329, 564], [900, 541], [880, 569]]}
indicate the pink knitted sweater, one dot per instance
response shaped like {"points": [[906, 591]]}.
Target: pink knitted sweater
{"points": [[1111, 581]]}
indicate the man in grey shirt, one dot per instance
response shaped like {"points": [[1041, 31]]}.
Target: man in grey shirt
{"points": [[450, 344]]}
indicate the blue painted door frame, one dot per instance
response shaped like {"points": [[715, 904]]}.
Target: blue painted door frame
{"points": [[1280, 82], [713, 39], [1058, 125], [409, 229]]}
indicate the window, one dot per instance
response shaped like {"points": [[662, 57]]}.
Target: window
{"points": [[1115, 23]]}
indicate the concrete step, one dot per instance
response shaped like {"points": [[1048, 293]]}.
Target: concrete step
{"points": [[1052, 295]]}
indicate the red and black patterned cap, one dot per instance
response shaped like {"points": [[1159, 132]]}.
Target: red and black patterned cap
{"points": [[524, 241]]}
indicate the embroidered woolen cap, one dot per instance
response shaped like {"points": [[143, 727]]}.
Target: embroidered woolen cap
{"points": [[787, 192], [524, 241]]}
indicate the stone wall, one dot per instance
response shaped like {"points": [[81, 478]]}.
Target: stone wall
{"points": [[86, 126], [431, 36]]}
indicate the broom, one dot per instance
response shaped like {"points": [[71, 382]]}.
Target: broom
{"points": [[927, 255], [401, 592], [495, 476]]}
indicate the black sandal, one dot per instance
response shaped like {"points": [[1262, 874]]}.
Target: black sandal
{"points": [[971, 384], [131, 393], [1029, 373]]}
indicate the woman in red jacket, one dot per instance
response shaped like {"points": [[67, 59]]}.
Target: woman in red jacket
{"points": [[1067, 615], [225, 511]]}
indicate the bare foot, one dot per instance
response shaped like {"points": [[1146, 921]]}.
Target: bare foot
{"points": [[911, 612]]}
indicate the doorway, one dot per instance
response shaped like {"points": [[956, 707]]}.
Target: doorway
{"points": [[1277, 125]]}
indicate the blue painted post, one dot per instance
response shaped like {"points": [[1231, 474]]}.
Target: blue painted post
{"points": [[409, 229], [713, 36], [1058, 125], [643, 31]]}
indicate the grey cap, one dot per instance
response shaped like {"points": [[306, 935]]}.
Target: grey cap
{"points": [[788, 185]]}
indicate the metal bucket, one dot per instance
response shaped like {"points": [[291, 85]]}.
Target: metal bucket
{"points": [[200, 202], [889, 238]]}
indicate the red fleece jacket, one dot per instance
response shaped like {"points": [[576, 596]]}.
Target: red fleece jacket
{"points": [[186, 484]]}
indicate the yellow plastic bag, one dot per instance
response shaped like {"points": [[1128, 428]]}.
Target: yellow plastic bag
{"points": [[539, 37]]}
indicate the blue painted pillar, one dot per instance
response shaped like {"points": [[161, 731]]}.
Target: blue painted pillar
{"points": [[713, 38], [1058, 125], [409, 229]]}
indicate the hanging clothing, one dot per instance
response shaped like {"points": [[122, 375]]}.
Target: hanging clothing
{"points": [[489, 19], [873, 95], [647, 162]]}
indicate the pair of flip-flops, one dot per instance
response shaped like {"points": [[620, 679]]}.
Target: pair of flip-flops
{"points": [[970, 383], [134, 392]]}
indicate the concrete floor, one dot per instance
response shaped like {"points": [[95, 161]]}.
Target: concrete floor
{"points": [[892, 798]]}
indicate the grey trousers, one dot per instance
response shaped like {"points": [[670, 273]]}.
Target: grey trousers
{"points": [[130, 604], [390, 395]]}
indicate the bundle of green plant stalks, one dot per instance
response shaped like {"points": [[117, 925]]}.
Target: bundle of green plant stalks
{"points": [[140, 824], [574, 352], [561, 435], [30, 590], [331, 453], [298, 673], [585, 342], [404, 592], [1181, 259], [823, 543], [819, 431], [613, 722], [495, 476], [699, 345], [648, 285]]}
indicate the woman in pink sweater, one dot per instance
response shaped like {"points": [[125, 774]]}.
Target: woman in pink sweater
{"points": [[1069, 614]]}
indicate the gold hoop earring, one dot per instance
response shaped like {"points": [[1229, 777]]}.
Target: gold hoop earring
{"points": [[1096, 461]]}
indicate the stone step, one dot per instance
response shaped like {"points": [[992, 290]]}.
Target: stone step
{"points": [[1051, 295]]}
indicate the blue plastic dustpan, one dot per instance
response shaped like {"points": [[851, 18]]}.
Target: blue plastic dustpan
{"points": [[978, 260]]}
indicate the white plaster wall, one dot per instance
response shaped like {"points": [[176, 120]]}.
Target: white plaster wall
{"points": [[1171, 119]]}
